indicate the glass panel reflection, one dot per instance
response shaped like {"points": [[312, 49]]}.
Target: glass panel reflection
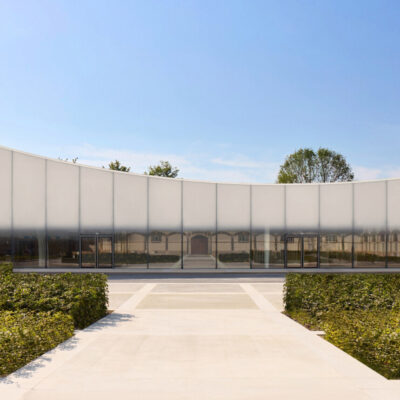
{"points": [[293, 251], [336, 249], [310, 251], [394, 249], [369, 249], [268, 250], [30, 250], [104, 251], [233, 249], [63, 250], [88, 251], [165, 249], [199, 250], [130, 249]]}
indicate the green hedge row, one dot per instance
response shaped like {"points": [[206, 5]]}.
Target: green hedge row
{"points": [[371, 337], [26, 335], [82, 296], [319, 293], [360, 314]]}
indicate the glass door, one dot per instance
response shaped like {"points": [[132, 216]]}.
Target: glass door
{"points": [[96, 251], [88, 251]]}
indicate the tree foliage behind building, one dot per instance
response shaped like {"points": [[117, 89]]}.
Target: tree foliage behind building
{"points": [[307, 166]]}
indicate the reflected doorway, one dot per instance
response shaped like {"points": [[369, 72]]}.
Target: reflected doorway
{"points": [[96, 251], [199, 245]]}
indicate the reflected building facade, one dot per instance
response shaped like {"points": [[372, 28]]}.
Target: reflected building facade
{"points": [[56, 214]]}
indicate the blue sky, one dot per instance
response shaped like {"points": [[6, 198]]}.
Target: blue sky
{"points": [[223, 89]]}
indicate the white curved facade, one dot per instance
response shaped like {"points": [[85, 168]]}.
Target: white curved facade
{"points": [[58, 214]]}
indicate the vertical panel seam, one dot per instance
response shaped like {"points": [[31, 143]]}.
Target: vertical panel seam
{"points": [[12, 210], [251, 226], [147, 221], [45, 216], [182, 224], [216, 225]]}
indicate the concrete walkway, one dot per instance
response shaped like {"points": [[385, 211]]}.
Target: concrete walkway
{"points": [[190, 339]]}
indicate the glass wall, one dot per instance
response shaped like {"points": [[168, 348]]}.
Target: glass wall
{"points": [[336, 249], [130, 213], [5, 205], [370, 224], [268, 250], [267, 242], [393, 204], [29, 207], [199, 225], [394, 249], [130, 249], [63, 250], [47, 206], [165, 223], [233, 226]]}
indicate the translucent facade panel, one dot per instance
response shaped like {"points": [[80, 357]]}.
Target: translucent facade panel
{"points": [[336, 207], [268, 207], [233, 249], [267, 250], [62, 196], [370, 249], [5, 198], [393, 202], [302, 207], [336, 249], [96, 200], [130, 202], [165, 204], [199, 250], [165, 249], [199, 206], [370, 206], [28, 193], [233, 207], [130, 249]]}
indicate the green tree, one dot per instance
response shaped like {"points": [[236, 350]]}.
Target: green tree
{"points": [[163, 169], [306, 166], [117, 166]]}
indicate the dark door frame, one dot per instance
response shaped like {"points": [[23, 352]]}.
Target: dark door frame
{"points": [[301, 236], [96, 236]]}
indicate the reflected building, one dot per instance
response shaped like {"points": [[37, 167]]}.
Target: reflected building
{"points": [[56, 214]]}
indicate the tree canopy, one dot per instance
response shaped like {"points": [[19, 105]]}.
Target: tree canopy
{"points": [[117, 166], [307, 166], [163, 169]]}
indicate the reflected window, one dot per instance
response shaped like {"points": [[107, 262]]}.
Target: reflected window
{"points": [[243, 237], [156, 237]]}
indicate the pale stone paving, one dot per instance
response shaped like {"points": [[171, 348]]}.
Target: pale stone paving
{"points": [[196, 340]]}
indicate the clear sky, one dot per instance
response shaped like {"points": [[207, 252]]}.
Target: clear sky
{"points": [[223, 89]]}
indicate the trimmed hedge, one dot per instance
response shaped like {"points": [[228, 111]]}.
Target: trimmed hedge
{"points": [[317, 294], [372, 338], [25, 336], [82, 296], [6, 268], [360, 314]]}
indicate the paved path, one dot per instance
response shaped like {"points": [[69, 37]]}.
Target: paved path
{"points": [[200, 340]]}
